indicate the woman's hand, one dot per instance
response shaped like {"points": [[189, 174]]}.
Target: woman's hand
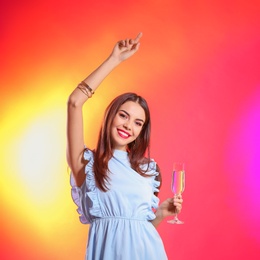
{"points": [[170, 206], [167, 208], [126, 48]]}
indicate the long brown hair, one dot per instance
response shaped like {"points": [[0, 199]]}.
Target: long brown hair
{"points": [[136, 149]]}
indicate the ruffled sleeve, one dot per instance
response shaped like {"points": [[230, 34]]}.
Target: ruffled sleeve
{"points": [[85, 197], [152, 171]]}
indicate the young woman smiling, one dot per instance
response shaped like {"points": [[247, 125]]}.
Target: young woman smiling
{"points": [[115, 185]]}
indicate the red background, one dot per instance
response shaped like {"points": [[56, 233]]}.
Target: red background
{"points": [[199, 69]]}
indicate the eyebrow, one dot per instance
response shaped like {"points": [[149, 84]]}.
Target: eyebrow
{"points": [[129, 115]]}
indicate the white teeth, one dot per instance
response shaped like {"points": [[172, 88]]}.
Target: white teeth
{"points": [[123, 133]]}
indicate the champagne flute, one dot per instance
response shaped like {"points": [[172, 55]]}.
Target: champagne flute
{"points": [[177, 186]]}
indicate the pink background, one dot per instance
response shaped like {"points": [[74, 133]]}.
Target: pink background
{"points": [[199, 69]]}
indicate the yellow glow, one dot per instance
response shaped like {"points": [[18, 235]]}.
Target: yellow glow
{"points": [[40, 150], [33, 162]]}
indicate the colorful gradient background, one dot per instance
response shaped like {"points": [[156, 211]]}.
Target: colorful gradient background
{"points": [[199, 69]]}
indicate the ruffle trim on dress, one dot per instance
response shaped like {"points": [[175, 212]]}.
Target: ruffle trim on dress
{"points": [[85, 197], [77, 197], [155, 184]]}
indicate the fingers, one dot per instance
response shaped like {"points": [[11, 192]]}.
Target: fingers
{"points": [[130, 43], [125, 43], [177, 202], [179, 196], [138, 37]]}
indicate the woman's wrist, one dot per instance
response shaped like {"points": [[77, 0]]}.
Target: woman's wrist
{"points": [[158, 218], [114, 61], [159, 215]]}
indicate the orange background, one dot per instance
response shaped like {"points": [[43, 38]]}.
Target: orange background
{"points": [[199, 69]]}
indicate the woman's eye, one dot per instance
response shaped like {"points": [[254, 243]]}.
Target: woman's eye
{"points": [[139, 124], [122, 115]]}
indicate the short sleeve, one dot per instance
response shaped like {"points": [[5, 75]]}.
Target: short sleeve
{"points": [[85, 197]]}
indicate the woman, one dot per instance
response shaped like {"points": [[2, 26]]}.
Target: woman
{"points": [[115, 185]]}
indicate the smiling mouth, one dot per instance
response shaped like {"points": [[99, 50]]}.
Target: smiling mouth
{"points": [[123, 134]]}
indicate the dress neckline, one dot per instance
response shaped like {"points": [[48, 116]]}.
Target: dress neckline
{"points": [[120, 154]]}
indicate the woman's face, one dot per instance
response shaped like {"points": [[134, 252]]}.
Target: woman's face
{"points": [[127, 125]]}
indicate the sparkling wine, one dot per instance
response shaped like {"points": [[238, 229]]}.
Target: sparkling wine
{"points": [[177, 186], [178, 182]]}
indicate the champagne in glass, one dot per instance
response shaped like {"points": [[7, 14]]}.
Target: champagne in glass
{"points": [[177, 186]]}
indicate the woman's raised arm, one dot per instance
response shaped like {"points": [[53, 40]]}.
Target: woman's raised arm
{"points": [[75, 137]]}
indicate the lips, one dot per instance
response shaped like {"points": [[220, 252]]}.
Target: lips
{"points": [[123, 134]]}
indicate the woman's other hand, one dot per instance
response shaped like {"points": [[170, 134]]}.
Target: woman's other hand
{"points": [[124, 49], [170, 206]]}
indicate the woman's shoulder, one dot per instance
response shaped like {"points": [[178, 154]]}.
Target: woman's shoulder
{"points": [[150, 165], [152, 169]]}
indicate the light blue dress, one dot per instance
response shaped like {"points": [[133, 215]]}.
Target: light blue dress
{"points": [[120, 227]]}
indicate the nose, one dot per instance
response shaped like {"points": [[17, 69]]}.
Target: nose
{"points": [[127, 126]]}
